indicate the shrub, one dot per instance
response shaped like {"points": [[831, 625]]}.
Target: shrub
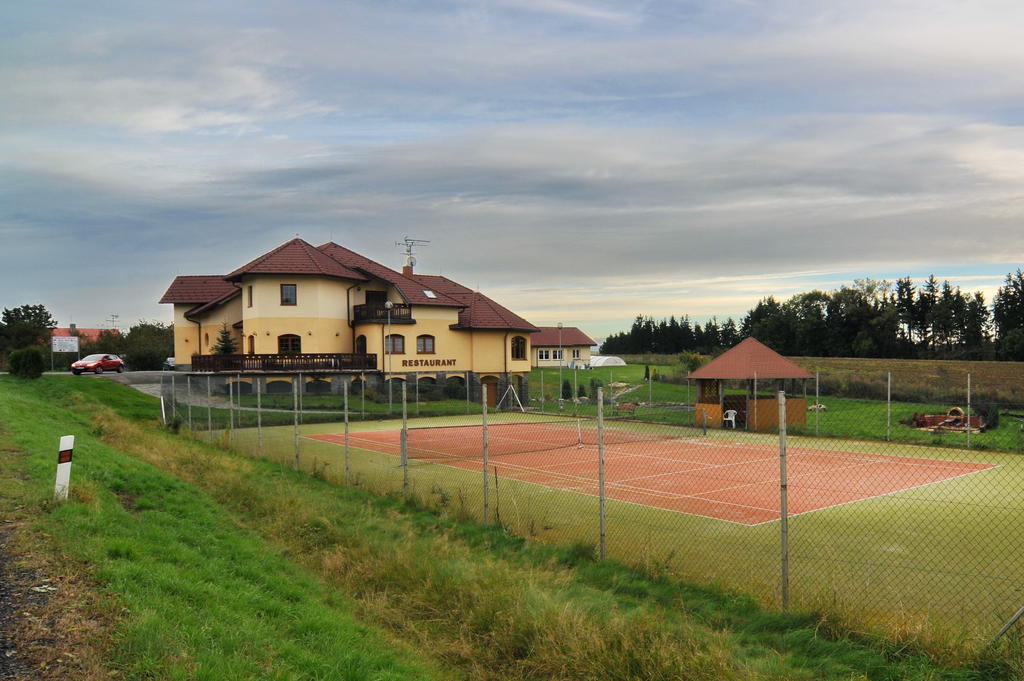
{"points": [[582, 392], [566, 390], [693, 360], [26, 363]]}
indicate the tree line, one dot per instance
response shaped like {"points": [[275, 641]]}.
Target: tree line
{"points": [[867, 319]]}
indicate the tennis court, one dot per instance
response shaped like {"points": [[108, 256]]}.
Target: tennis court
{"points": [[727, 480]]}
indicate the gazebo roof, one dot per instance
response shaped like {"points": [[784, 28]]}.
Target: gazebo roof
{"points": [[750, 359]]}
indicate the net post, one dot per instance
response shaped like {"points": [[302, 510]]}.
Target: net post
{"points": [[888, 406], [601, 508], [295, 420], [344, 406], [405, 441], [174, 399], [209, 410], [783, 503], [486, 451]]}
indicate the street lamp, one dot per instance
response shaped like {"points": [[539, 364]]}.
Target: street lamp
{"points": [[389, 349], [560, 395]]}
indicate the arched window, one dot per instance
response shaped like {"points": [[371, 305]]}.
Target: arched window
{"points": [[518, 347], [361, 345], [252, 345], [424, 345], [394, 344], [289, 343]]}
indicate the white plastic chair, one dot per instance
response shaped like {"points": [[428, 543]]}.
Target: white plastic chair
{"points": [[729, 417]]}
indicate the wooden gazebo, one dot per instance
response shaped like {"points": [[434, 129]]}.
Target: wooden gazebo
{"points": [[758, 367]]}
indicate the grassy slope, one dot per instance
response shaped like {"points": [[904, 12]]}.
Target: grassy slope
{"points": [[198, 597], [481, 603]]}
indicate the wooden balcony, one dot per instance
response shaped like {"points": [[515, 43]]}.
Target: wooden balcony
{"points": [[401, 313], [305, 362]]}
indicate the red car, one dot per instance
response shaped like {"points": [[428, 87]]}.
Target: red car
{"points": [[98, 364]]}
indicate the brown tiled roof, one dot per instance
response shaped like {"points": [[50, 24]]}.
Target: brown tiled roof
{"points": [[480, 312], [201, 288], [410, 289], [84, 334], [749, 359], [548, 337], [296, 257]]}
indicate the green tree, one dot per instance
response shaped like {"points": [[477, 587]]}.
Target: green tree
{"points": [[225, 344], [566, 390], [148, 344], [25, 326]]}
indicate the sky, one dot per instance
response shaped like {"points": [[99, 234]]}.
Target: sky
{"points": [[579, 161]]}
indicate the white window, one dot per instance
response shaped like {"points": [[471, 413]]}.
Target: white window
{"points": [[543, 354], [556, 354], [575, 353]]}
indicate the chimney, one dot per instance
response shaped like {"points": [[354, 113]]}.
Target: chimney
{"points": [[72, 329], [407, 270]]}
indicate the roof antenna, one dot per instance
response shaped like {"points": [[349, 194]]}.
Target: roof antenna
{"points": [[410, 259]]}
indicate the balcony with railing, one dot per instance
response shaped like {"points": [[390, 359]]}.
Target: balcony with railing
{"points": [[401, 313], [291, 362]]}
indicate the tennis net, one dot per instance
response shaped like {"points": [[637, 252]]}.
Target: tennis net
{"points": [[439, 443]]}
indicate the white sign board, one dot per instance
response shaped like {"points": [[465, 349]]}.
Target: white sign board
{"points": [[64, 343]]}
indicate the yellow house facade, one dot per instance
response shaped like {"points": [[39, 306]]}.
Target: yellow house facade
{"points": [[329, 309]]}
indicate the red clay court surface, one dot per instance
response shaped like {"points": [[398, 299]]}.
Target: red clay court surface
{"points": [[732, 481]]}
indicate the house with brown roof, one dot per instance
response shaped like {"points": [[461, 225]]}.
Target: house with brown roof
{"points": [[564, 346], [328, 309]]}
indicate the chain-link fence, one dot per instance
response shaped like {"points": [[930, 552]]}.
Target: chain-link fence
{"points": [[894, 511]]}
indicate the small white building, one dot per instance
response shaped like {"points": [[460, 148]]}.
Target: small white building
{"points": [[566, 347]]}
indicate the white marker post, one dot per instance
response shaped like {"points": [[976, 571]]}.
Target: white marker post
{"points": [[60, 488]]}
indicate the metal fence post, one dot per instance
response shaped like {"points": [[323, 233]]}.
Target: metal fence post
{"points": [[405, 442], [486, 452], [783, 503], [542, 390], [817, 403], [209, 411], [295, 420], [259, 413], [417, 375], [888, 407], [300, 387], [188, 392], [968, 414], [348, 463], [174, 399], [231, 413], [601, 552]]}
